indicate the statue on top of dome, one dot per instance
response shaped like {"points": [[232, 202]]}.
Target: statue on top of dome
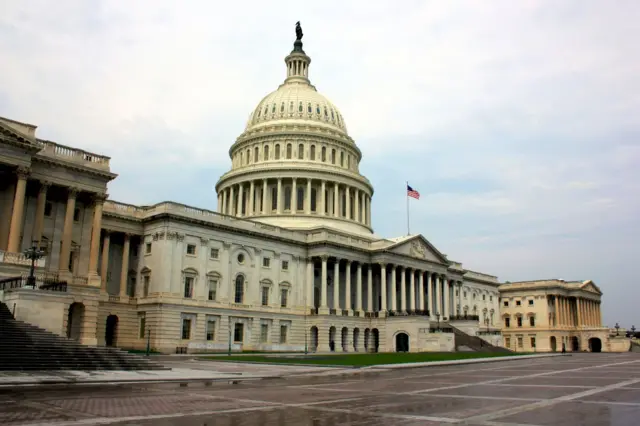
{"points": [[298, 31]]}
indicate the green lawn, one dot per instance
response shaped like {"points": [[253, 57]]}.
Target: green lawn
{"points": [[360, 360]]}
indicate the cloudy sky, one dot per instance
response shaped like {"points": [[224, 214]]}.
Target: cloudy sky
{"points": [[516, 120]]}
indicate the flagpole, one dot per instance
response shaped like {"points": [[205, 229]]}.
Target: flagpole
{"points": [[406, 191]]}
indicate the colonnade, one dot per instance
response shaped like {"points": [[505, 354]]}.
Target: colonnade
{"points": [[294, 196], [415, 290], [576, 312], [124, 267], [18, 220]]}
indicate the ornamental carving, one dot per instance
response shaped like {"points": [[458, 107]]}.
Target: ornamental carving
{"points": [[418, 249], [23, 172], [204, 241], [158, 236], [179, 237]]}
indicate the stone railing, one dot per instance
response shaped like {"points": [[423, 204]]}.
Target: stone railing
{"points": [[128, 210], [20, 259], [52, 149], [480, 276], [456, 265]]}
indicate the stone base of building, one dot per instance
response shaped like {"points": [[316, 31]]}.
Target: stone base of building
{"points": [[593, 339]]}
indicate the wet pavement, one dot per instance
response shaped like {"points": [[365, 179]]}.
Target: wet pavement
{"points": [[582, 389]]}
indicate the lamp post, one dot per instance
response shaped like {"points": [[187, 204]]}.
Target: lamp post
{"points": [[438, 319], [633, 331], [33, 253], [617, 327]]}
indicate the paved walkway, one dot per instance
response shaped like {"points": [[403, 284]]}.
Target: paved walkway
{"points": [[582, 389]]}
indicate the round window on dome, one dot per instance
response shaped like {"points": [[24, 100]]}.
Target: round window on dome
{"points": [[241, 258]]}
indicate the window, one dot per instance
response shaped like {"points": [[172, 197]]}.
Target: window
{"points": [[266, 262], [214, 253], [300, 152], [145, 285], [241, 258], [287, 198], [256, 152], [490, 298], [142, 330], [484, 297], [333, 156], [530, 302], [48, 207], [518, 303], [238, 332], [283, 334], [300, 199], [312, 153], [274, 198], [76, 214], [341, 158], [213, 289], [284, 294], [507, 322], [264, 333], [277, 151], [464, 294], [532, 321], [289, 151], [248, 156], [533, 342], [211, 330], [506, 304], [147, 248], [519, 320], [266, 152], [191, 249], [239, 290], [188, 287], [285, 265], [507, 342], [265, 296], [323, 157], [313, 199], [134, 250], [520, 344], [186, 328], [131, 287]]}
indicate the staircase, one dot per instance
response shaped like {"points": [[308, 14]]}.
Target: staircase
{"points": [[474, 343], [27, 347]]}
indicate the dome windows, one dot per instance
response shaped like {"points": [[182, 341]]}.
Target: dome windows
{"points": [[282, 107], [309, 108], [266, 153], [323, 157], [333, 156], [273, 109], [317, 109], [300, 107], [300, 151], [291, 106], [277, 151], [256, 153], [289, 151], [312, 153]]}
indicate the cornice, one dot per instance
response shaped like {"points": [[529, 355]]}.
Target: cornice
{"points": [[74, 166], [11, 138], [295, 137]]}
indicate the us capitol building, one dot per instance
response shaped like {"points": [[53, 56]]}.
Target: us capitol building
{"points": [[288, 262]]}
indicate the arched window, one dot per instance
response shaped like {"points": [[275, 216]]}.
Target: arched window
{"points": [[344, 204], [282, 107], [341, 158], [324, 154], [309, 108], [300, 152], [291, 106], [289, 150], [273, 109], [313, 199], [348, 161], [241, 158], [287, 198], [266, 152], [274, 198], [248, 156], [300, 199], [256, 153], [312, 153], [277, 152], [300, 107], [333, 156], [317, 109], [239, 290]]}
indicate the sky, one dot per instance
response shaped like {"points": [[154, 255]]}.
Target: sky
{"points": [[516, 121]]}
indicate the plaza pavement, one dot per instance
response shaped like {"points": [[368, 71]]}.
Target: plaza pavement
{"points": [[582, 389]]}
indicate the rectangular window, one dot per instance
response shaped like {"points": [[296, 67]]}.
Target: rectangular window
{"points": [[214, 253], [265, 296], [490, 298], [266, 262], [145, 286], [518, 303], [484, 297], [530, 302], [264, 333], [532, 321], [147, 248], [284, 293], [134, 250], [191, 249], [131, 287], [238, 332], [519, 319], [143, 328], [186, 328], [274, 198], [211, 330], [48, 208], [520, 343], [283, 334], [76, 215], [213, 288], [188, 287], [507, 342], [506, 304], [285, 265], [533, 342], [507, 322]]}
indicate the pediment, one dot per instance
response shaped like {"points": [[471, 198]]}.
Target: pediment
{"points": [[590, 287], [419, 248], [25, 132]]}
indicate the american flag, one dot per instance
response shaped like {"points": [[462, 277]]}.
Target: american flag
{"points": [[412, 193]]}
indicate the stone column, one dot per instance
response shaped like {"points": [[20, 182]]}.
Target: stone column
{"points": [[359, 288], [38, 226], [104, 268], [369, 288], [403, 289], [252, 195], [96, 228], [557, 311], [17, 217], [231, 201], [124, 271], [310, 285], [412, 290], [383, 286], [347, 293], [421, 287], [323, 283], [368, 211], [294, 196], [394, 296], [307, 200], [356, 205], [347, 198], [279, 197], [336, 202], [438, 296], [323, 200], [224, 201], [446, 289], [430, 295], [265, 191], [67, 232], [336, 285], [579, 313], [240, 199]]}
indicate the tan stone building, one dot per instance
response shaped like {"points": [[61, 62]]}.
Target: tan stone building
{"points": [[545, 315], [288, 261]]}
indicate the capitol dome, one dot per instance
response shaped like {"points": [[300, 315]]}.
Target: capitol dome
{"points": [[295, 164]]}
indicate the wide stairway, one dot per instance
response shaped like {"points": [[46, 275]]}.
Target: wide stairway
{"points": [[474, 343], [27, 347]]}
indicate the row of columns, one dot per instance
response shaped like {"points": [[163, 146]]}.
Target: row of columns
{"points": [[17, 221], [412, 288], [576, 312], [124, 267], [252, 199]]}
